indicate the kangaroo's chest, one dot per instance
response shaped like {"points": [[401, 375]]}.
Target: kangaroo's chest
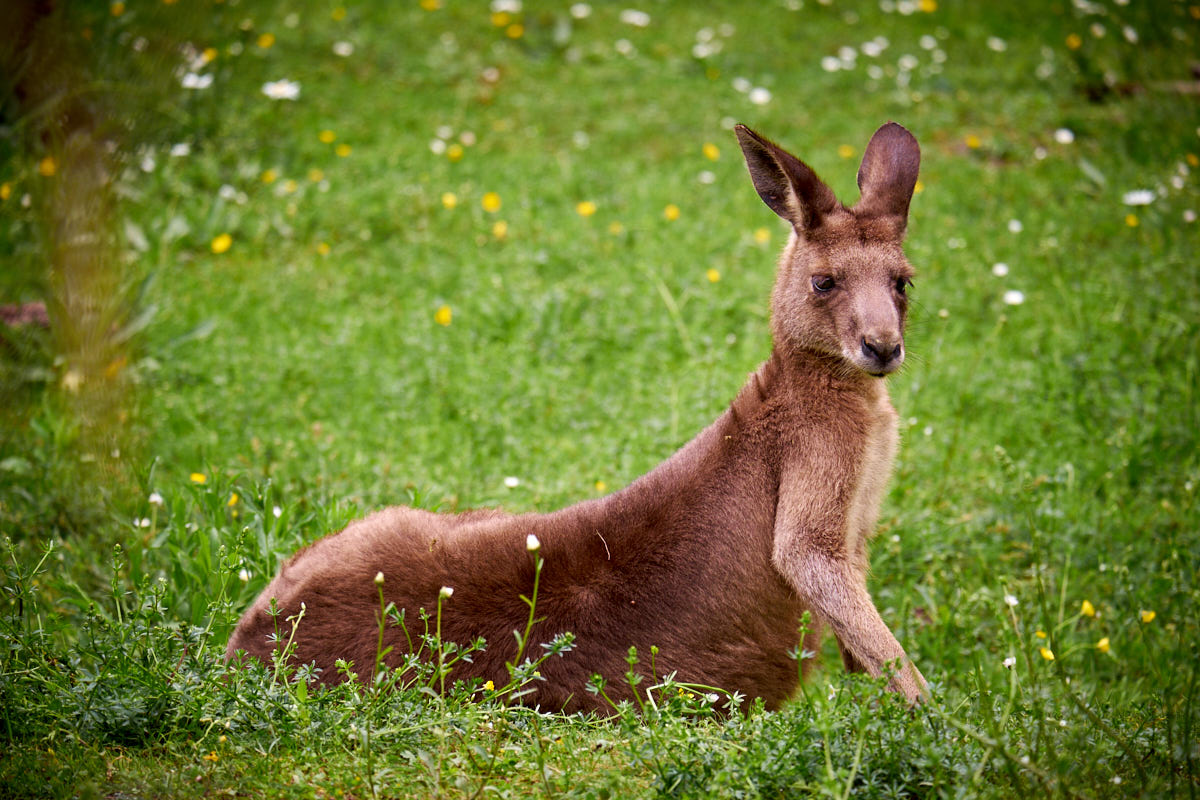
{"points": [[877, 454]]}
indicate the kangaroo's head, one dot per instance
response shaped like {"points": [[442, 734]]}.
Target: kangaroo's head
{"points": [[843, 277]]}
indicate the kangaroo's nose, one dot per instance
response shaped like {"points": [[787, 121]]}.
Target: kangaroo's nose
{"points": [[881, 350]]}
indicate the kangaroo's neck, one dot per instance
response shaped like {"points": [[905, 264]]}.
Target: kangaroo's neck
{"points": [[785, 385]]}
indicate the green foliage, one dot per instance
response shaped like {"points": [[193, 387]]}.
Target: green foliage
{"points": [[371, 332]]}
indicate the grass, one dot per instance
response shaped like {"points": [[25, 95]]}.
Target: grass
{"points": [[252, 400]]}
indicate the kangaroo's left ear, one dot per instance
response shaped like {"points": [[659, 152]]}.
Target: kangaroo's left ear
{"points": [[888, 173]]}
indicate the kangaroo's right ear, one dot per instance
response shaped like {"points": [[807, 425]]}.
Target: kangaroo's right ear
{"points": [[786, 184]]}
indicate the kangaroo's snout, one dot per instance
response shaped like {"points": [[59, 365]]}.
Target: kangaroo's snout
{"points": [[883, 354]]}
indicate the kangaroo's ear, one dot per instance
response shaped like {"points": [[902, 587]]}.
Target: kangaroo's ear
{"points": [[888, 173], [785, 183]]}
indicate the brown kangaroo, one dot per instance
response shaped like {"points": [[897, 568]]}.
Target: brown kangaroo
{"points": [[714, 555]]}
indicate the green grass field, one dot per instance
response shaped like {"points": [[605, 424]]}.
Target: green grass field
{"points": [[486, 243]]}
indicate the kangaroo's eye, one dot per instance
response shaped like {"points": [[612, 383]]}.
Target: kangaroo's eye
{"points": [[902, 285], [823, 283]]}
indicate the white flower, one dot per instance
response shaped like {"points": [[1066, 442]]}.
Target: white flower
{"points": [[624, 47], [227, 192], [712, 698], [1000, 269], [875, 72], [343, 49], [638, 19], [277, 512], [155, 499], [143, 522], [506, 6], [1010, 662], [282, 89], [437, 147], [707, 177], [1138, 197], [1010, 600], [446, 591], [181, 149], [871, 48], [1189, 216], [379, 578], [1064, 136], [742, 85], [467, 138], [581, 11], [243, 574], [148, 164], [1014, 297], [1015, 226], [927, 42], [191, 80], [760, 96], [831, 64], [512, 481], [997, 44], [532, 543]]}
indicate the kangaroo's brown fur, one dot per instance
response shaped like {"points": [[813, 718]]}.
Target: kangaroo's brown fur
{"points": [[712, 556]]}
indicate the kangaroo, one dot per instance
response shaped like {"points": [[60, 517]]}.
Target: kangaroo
{"points": [[714, 555]]}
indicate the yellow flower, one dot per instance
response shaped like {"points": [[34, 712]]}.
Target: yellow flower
{"points": [[323, 248], [490, 202], [1131, 220], [449, 200], [221, 242], [443, 316], [454, 152], [762, 235], [616, 228], [338, 14], [671, 212], [845, 151], [918, 187], [199, 477], [209, 55], [927, 6], [500, 230], [1087, 609], [500, 19], [342, 150], [601, 486], [1047, 653], [327, 136], [1102, 645], [266, 40], [712, 275], [431, 5], [48, 166], [1074, 41], [117, 9], [233, 499], [973, 141], [491, 687], [1193, 160], [222, 738], [515, 31], [1147, 616], [315, 175], [212, 756], [5, 191], [290, 186], [1040, 634], [711, 152], [269, 176], [585, 208]]}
